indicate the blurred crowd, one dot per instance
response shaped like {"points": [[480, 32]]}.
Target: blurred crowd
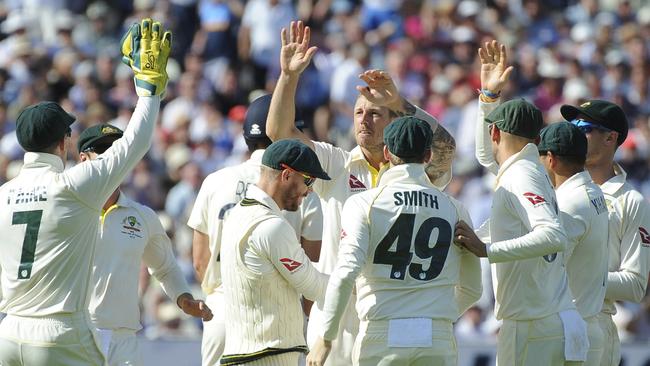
{"points": [[226, 53]]}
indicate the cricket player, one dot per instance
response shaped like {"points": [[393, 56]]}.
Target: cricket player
{"points": [[606, 126], [583, 212], [129, 233], [351, 171], [263, 268], [405, 296], [49, 217], [221, 191], [526, 239]]}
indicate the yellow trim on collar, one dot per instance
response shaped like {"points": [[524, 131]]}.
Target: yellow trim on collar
{"points": [[104, 213]]}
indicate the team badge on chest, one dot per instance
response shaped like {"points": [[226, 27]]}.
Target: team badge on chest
{"points": [[131, 227]]}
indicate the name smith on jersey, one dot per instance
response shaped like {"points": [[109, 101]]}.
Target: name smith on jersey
{"points": [[416, 198]]}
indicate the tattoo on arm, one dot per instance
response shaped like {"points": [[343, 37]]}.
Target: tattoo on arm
{"points": [[442, 153]]}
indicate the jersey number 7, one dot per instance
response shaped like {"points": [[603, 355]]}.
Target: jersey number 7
{"points": [[33, 221], [400, 259]]}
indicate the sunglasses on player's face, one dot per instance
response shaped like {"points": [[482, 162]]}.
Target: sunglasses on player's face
{"points": [[309, 181], [98, 149], [588, 127]]}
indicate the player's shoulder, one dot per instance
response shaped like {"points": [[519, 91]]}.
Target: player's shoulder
{"points": [[634, 199]]}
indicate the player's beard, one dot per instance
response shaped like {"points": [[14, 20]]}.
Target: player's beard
{"points": [[292, 200]]}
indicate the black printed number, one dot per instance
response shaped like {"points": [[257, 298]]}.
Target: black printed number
{"points": [[33, 221], [400, 258]]}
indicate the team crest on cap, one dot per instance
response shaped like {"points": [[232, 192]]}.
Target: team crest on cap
{"points": [[255, 129], [131, 227], [356, 185], [645, 237], [290, 264], [535, 199], [107, 130], [585, 104]]}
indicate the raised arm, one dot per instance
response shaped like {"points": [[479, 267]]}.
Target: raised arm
{"points": [[145, 48], [494, 76], [295, 56]]}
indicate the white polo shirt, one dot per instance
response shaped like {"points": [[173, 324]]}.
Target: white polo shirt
{"points": [[49, 225], [130, 233], [415, 278], [221, 191], [585, 220], [527, 239], [629, 241]]}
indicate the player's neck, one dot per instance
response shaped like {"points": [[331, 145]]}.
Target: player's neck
{"points": [[559, 177], [112, 199], [374, 158], [601, 172]]}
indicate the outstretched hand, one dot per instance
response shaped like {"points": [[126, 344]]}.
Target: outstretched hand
{"points": [[296, 54], [381, 89], [494, 70]]}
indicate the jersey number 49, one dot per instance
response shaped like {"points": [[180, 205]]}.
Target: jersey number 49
{"points": [[400, 259]]}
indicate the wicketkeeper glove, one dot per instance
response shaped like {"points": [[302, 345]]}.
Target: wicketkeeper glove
{"points": [[145, 48]]}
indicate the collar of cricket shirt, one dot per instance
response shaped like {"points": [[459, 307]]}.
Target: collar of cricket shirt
{"points": [[256, 157], [575, 181], [39, 159], [254, 192], [529, 152], [405, 173], [357, 155], [616, 182]]}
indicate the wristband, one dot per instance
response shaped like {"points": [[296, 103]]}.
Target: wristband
{"points": [[489, 94]]}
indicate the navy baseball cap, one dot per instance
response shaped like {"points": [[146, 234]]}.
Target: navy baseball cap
{"points": [[255, 121], [40, 125], [296, 155]]}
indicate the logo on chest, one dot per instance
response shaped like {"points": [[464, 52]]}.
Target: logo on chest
{"points": [[131, 227], [356, 185]]}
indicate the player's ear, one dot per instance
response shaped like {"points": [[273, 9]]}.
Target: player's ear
{"points": [[83, 156], [386, 153]]}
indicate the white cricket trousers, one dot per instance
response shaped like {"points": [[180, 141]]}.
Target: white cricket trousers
{"points": [[538, 342], [371, 347], [120, 347], [58, 340], [596, 341], [612, 344], [214, 331]]}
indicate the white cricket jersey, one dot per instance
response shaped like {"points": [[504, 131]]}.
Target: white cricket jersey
{"points": [[398, 239], [527, 239], [629, 241], [351, 173], [49, 221], [222, 190], [130, 233], [264, 271], [583, 213]]}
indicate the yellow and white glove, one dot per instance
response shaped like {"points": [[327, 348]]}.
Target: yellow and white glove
{"points": [[145, 48]]}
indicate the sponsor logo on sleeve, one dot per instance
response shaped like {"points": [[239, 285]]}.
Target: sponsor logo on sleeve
{"points": [[535, 199], [343, 234], [290, 264], [356, 185], [645, 237]]}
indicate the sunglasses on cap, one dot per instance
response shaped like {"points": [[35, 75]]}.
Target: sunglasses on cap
{"points": [[309, 181], [587, 127], [98, 149]]}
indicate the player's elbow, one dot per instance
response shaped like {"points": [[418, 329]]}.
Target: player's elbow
{"points": [[639, 290]]}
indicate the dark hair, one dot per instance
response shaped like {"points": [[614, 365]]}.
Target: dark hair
{"points": [[574, 161], [257, 144]]}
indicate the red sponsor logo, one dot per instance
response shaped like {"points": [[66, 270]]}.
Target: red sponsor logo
{"points": [[290, 264], [355, 183], [535, 199], [343, 234], [645, 237]]}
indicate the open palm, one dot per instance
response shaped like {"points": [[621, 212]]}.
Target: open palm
{"points": [[494, 70], [381, 89], [296, 54]]}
